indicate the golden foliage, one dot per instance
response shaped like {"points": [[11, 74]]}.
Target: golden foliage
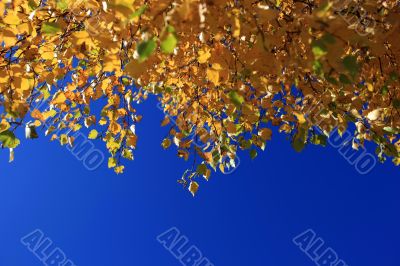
{"points": [[224, 70]]}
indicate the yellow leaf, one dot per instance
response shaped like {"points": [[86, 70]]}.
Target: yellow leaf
{"points": [[111, 63], [59, 98], [114, 128], [203, 55], [222, 168], [49, 55], [236, 32], [12, 19], [93, 134], [213, 76], [102, 121], [63, 139], [119, 169], [8, 37], [300, 117], [216, 66], [4, 125], [48, 114], [37, 123], [25, 84], [112, 162], [370, 87]]}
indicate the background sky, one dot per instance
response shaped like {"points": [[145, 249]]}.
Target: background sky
{"points": [[247, 218]]}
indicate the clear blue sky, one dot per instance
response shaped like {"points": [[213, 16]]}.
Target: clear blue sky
{"points": [[247, 218]]}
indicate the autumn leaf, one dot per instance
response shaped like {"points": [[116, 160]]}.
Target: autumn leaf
{"points": [[12, 18], [59, 98], [193, 187], [226, 75], [374, 115], [93, 134], [4, 125], [203, 55], [300, 117], [8, 139], [51, 28], [37, 114], [265, 134], [213, 75], [166, 143], [112, 162], [131, 141]]}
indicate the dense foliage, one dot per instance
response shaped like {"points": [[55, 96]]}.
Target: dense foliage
{"points": [[225, 72]]}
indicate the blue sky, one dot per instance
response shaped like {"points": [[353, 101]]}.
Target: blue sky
{"points": [[247, 218]]}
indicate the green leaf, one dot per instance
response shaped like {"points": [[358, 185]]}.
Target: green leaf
{"points": [[126, 81], [169, 44], [351, 65], [319, 48], [298, 145], [46, 93], [201, 169], [127, 154], [318, 69], [319, 140], [170, 29], [396, 103], [344, 79], [86, 110], [391, 130], [394, 76], [236, 98], [139, 12], [62, 4], [253, 154], [299, 141], [63, 139], [51, 28], [146, 48], [385, 90], [332, 80], [8, 139], [328, 38], [32, 5], [245, 144]]}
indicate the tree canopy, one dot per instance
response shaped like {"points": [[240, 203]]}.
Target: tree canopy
{"points": [[225, 73]]}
